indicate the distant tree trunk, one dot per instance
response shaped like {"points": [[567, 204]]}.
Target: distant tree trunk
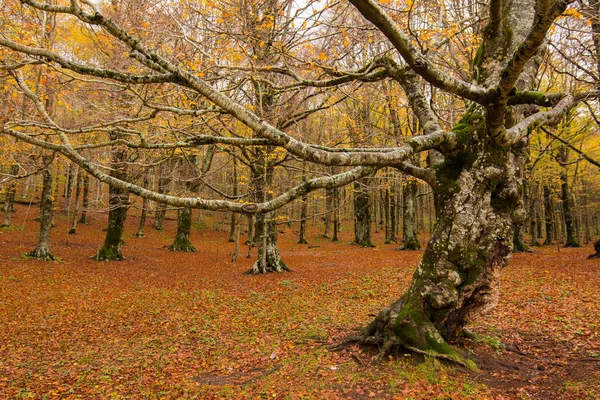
{"points": [[336, 214], [410, 240], [533, 195], [42, 251], [86, 199], [362, 215], [328, 212], [250, 240], [71, 177], [73, 229], [386, 209], [9, 199], [392, 212], [232, 223], [184, 226], [144, 212], [69, 182], [161, 208], [303, 217], [520, 218], [548, 216], [566, 202], [118, 202]]}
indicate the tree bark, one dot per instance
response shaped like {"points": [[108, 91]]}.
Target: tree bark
{"points": [[362, 214], [235, 193], [303, 216], [161, 208], [9, 197], [572, 240], [73, 229], [184, 226], [86, 199], [144, 212], [328, 213], [42, 250], [457, 279], [548, 216], [265, 227], [336, 214], [410, 240], [118, 202]]}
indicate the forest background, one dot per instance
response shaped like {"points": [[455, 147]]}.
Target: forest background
{"points": [[467, 128]]}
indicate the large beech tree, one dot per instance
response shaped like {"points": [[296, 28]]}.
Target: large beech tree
{"points": [[476, 175]]}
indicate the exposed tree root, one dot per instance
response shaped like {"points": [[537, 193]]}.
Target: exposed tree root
{"points": [[41, 254], [182, 244], [388, 347]]}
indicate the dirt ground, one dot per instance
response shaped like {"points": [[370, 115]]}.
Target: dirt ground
{"points": [[191, 325]]}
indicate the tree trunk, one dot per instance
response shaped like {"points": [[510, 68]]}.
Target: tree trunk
{"points": [[42, 250], [566, 203], [235, 193], [73, 229], [303, 216], [161, 208], [144, 213], [457, 279], [533, 215], [269, 258], [184, 226], [118, 202], [410, 240], [86, 199], [328, 212], [336, 214], [392, 213], [548, 216], [362, 214], [265, 227], [9, 198]]}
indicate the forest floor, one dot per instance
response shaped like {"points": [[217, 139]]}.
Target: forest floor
{"points": [[191, 325]]}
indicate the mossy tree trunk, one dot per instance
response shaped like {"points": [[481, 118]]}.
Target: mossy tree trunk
{"points": [[269, 258], [42, 250], [362, 214], [410, 239], [457, 279], [265, 226], [118, 202], [184, 226]]}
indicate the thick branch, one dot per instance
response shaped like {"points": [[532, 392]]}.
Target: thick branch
{"points": [[413, 57]]}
